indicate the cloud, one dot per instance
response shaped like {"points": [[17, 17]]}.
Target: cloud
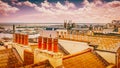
{"points": [[90, 12], [46, 4], [86, 2], [26, 3], [58, 5], [55, 8], [43, 10], [98, 2], [5, 9], [113, 4], [18, 4], [69, 4]]}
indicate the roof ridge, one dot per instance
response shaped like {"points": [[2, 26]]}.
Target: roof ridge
{"points": [[78, 53]]}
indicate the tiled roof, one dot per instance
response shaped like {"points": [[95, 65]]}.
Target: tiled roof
{"points": [[109, 45], [85, 59], [9, 58]]}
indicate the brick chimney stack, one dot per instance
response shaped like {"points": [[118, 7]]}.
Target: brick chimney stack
{"points": [[18, 38], [44, 43], [49, 51], [21, 38], [49, 44], [26, 39], [40, 42], [55, 47]]}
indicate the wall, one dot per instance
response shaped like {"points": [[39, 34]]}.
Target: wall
{"points": [[104, 42]]}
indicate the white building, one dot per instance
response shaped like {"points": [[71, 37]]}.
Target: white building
{"points": [[106, 31]]}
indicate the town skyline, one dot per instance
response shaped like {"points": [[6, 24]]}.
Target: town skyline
{"points": [[50, 11]]}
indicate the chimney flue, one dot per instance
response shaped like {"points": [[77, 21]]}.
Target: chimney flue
{"points": [[44, 43], [26, 39], [55, 47], [23, 39], [49, 44], [18, 38], [40, 42]]}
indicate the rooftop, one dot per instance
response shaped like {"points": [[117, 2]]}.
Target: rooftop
{"points": [[73, 46], [84, 59], [9, 58]]}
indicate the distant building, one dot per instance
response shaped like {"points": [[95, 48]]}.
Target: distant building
{"points": [[48, 33], [65, 24], [116, 22], [113, 24], [83, 31], [106, 31], [69, 24], [110, 26], [61, 32], [97, 29], [118, 30], [73, 25], [2, 29], [90, 33]]}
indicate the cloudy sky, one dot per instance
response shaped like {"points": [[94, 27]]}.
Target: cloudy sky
{"points": [[56, 11]]}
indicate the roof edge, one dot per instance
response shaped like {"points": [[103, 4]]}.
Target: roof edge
{"points": [[76, 54]]}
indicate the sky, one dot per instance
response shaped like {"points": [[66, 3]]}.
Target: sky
{"points": [[56, 11]]}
